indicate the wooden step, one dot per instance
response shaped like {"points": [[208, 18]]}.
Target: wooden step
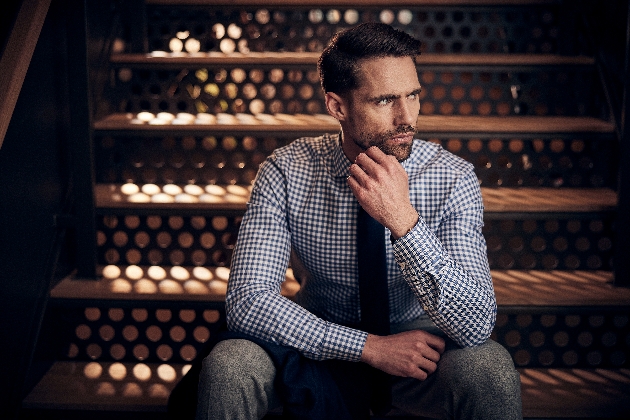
{"points": [[427, 125], [166, 59], [115, 387], [234, 197], [512, 287], [341, 3]]}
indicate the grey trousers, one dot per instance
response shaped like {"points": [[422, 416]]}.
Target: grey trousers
{"points": [[236, 382]]}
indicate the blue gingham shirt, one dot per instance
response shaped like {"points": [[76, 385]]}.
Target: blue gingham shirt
{"points": [[301, 202]]}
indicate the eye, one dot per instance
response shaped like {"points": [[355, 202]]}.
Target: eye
{"points": [[384, 101]]}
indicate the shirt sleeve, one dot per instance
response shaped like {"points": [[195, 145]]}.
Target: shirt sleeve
{"points": [[254, 304], [448, 269]]}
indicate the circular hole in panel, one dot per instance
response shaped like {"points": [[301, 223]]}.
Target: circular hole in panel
{"points": [[516, 244], [546, 358], [177, 334], [594, 358], [185, 239], [110, 222], [142, 239], [585, 339], [73, 351], [132, 222], [117, 351], [211, 316], [609, 339], [139, 314], [142, 372], [512, 338], [620, 321], [548, 320], [177, 257], [154, 333], [201, 334], [524, 320], [207, 240], [560, 244], [537, 338], [188, 352], [618, 358], [92, 314], [561, 338], [106, 332], [164, 352], [198, 258], [550, 261], [116, 314], [176, 222], [572, 262], [133, 256], [604, 244], [522, 357], [538, 244], [572, 320], [130, 333], [155, 257], [187, 315], [163, 239], [570, 358], [163, 315], [93, 370], [112, 256], [154, 222], [93, 351], [141, 352], [82, 332]]}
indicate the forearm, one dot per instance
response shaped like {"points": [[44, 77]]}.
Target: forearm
{"points": [[459, 299]]}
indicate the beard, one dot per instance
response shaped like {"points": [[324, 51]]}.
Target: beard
{"points": [[400, 151]]}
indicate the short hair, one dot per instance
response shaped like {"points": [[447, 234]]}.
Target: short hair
{"points": [[338, 64]]}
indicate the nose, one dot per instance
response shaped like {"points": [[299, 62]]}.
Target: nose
{"points": [[407, 112]]}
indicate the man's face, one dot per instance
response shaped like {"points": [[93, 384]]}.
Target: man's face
{"points": [[384, 110]]}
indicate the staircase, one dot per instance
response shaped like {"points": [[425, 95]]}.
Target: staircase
{"points": [[195, 94]]}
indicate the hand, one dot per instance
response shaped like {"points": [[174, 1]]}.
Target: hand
{"points": [[380, 184], [411, 354]]}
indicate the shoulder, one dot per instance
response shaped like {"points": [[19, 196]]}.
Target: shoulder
{"points": [[304, 149], [429, 156]]}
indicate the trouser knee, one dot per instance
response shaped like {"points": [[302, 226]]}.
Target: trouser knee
{"points": [[236, 375]]}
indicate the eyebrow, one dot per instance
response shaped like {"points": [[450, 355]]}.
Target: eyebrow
{"points": [[389, 97]]}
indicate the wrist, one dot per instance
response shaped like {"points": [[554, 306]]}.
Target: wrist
{"points": [[406, 226]]}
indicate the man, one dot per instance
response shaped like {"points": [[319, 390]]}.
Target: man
{"points": [[305, 203]]}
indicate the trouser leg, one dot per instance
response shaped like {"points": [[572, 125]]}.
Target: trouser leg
{"points": [[471, 383], [236, 382]]}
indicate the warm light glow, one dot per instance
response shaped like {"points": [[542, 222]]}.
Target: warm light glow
{"points": [[158, 391], [129, 189], [105, 389], [186, 198], [215, 190], [150, 189], [145, 286], [120, 286], [156, 272], [170, 287], [142, 372], [162, 198], [117, 371], [217, 287], [179, 273], [134, 272], [195, 287], [111, 272], [166, 373], [222, 273], [132, 389], [139, 198], [93, 370], [202, 273], [172, 189]]}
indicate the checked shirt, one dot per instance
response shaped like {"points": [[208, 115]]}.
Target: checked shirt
{"points": [[301, 204]]}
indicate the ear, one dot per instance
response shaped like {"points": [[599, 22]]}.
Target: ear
{"points": [[336, 106]]}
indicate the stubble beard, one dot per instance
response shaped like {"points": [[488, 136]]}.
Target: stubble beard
{"points": [[400, 151]]}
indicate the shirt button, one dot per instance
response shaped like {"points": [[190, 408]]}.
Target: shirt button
{"points": [[403, 265]]}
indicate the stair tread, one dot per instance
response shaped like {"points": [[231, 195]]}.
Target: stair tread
{"points": [[235, 197], [186, 284], [302, 123], [162, 58], [130, 386], [339, 3]]}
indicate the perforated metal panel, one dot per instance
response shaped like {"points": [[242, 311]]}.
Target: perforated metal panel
{"points": [[568, 337], [530, 29], [166, 240], [563, 242], [294, 89]]}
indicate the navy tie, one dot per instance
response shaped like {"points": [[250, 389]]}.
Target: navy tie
{"points": [[374, 299]]}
